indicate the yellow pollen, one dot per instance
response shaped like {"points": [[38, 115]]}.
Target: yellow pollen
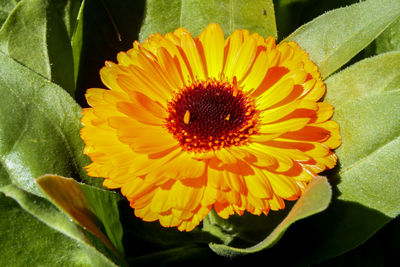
{"points": [[228, 117], [186, 117]]}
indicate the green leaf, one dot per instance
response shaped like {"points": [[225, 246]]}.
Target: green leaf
{"points": [[166, 16], [335, 37], [92, 208], [389, 40], [367, 109], [69, 10], [24, 240], [41, 134], [46, 213], [368, 77], [6, 7], [315, 199], [35, 35], [77, 42]]}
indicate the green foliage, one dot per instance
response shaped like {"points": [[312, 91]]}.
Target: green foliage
{"points": [[369, 114], [335, 37], [166, 16], [291, 14], [42, 135], [25, 240], [6, 7], [35, 35], [389, 40]]}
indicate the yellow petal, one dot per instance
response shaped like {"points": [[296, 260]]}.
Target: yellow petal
{"points": [[243, 60], [284, 126], [259, 185], [325, 111], [257, 72], [276, 93], [190, 49], [283, 186], [232, 45], [212, 39]]}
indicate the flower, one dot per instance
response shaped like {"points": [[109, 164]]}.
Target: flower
{"points": [[188, 125]]}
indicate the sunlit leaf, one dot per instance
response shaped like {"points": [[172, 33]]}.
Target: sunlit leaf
{"points": [[40, 134], [334, 38], [368, 110], [92, 208], [166, 16]]}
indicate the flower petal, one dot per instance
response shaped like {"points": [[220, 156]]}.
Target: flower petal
{"points": [[212, 39]]}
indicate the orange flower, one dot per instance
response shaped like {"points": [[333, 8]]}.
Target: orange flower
{"points": [[194, 124]]}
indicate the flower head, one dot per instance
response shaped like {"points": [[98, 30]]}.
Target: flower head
{"points": [[190, 124]]}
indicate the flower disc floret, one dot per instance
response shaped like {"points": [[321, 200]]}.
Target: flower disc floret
{"points": [[211, 115]]}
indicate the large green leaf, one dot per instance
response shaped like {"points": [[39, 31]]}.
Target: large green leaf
{"points": [[40, 134], [335, 37], [60, 229], [24, 240], [368, 110], [314, 200], [36, 35], [166, 16]]}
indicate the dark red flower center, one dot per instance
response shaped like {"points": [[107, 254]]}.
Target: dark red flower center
{"points": [[211, 115]]}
